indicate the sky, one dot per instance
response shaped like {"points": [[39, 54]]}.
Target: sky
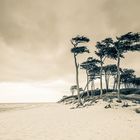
{"points": [[35, 59]]}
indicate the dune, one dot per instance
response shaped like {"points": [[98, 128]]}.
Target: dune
{"points": [[53, 121]]}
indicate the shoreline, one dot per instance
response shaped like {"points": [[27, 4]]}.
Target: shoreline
{"points": [[56, 121]]}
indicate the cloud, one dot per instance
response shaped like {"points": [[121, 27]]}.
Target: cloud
{"points": [[123, 15], [35, 35], [28, 21]]}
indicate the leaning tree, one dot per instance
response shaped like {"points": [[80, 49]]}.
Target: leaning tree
{"points": [[123, 44], [127, 77], [94, 73], [136, 82], [116, 49], [90, 65], [109, 70], [78, 49], [104, 50], [101, 54]]}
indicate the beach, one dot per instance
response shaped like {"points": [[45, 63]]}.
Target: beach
{"points": [[53, 121]]}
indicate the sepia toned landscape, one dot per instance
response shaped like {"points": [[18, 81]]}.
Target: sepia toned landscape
{"points": [[69, 70]]}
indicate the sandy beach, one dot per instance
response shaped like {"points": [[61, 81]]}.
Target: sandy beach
{"points": [[53, 121]]}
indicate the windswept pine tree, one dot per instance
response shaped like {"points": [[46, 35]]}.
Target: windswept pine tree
{"points": [[136, 82], [125, 43], [104, 50], [115, 50], [95, 68], [86, 66], [101, 54], [127, 77], [94, 73], [78, 49], [90, 65], [109, 70]]}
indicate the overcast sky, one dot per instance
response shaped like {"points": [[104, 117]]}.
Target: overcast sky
{"points": [[35, 35]]}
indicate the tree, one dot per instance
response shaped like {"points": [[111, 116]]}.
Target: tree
{"points": [[100, 53], [127, 77], [125, 43], [85, 65], [88, 65], [114, 74], [73, 88], [94, 73], [136, 82], [78, 50], [104, 50], [115, 50], [109, 70]]}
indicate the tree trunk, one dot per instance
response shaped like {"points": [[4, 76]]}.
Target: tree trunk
{"points": [[87, 83], [114, 83], [106, 81], [77, 79], [101, 85], [125, 85], [92, 86], [118, 76], [72, 92], [108, 78], [86, 86]]}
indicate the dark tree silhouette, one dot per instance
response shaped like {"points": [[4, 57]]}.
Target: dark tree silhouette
{"points": [[104, 50], [109, 70], [136, 82], [86, 66], [89, 65], [127, 77], [78, 50], [125, 43], [94, 73]]}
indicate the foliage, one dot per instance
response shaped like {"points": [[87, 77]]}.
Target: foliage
{"points": [[79, 39], [110, 69], [136, 81], [128, 42], [78, 50], [127, 77], [112, 49]]}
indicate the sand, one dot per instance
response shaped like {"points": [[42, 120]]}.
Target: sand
{"points": [[52, 121]]}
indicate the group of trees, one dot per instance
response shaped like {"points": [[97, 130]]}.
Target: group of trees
{"points": [[96, 68], [129, 79]]}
